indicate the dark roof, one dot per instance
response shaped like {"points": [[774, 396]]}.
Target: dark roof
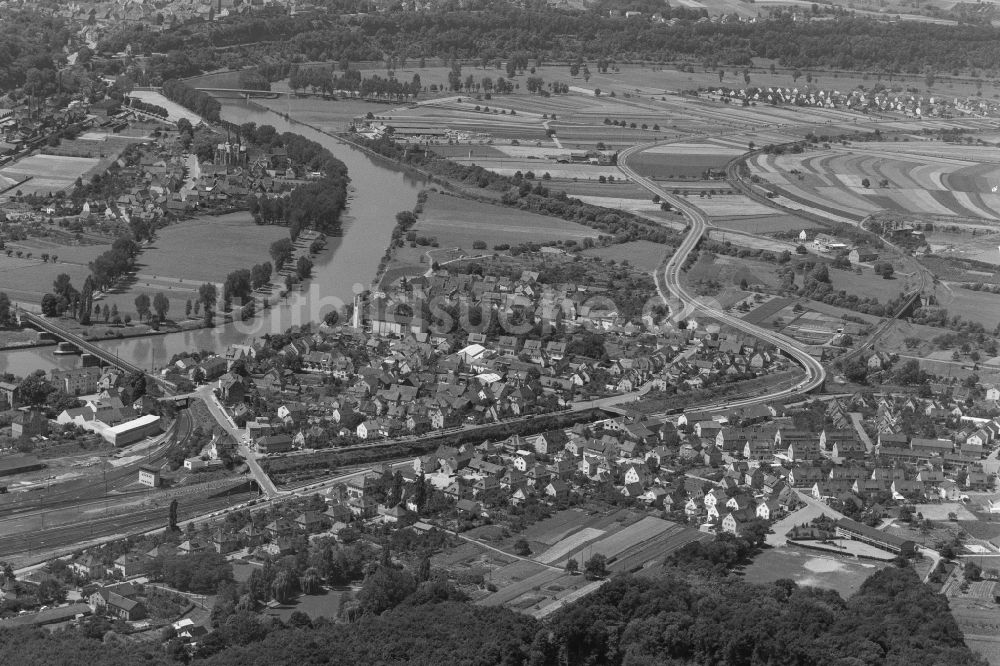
{"points": [[871, 533]]}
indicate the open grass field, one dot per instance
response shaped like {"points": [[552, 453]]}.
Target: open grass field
{"points": [[760, 224], [642, 254], [328, 115], [729, 271], [843, 575], [907, 177], [979, 306], [48, 173], [174, 110], [189, 253], [28, 280], [670, 165], [315, 606], [458, 222]]}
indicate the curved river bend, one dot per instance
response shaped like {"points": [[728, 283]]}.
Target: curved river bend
{"points": [[378, 192]]}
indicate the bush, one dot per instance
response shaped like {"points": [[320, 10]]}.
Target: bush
{"points": [[479, 245]]}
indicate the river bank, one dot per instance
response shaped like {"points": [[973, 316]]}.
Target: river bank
{"points": [[379, 190]]}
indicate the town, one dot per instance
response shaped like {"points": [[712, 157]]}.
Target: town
{"points": [[329, 333]]}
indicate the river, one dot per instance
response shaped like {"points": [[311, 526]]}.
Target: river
{"points": [[378, 192]]}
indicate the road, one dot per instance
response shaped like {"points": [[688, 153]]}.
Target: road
{"points": [[264, 482], [672, 288], [859, 427], [813, 509]]}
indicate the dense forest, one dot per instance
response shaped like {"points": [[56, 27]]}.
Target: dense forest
{"points": [[500, 31], [680, 618], [29, 42]]}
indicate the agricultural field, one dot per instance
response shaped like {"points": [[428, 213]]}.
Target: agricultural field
{"points": [[48, 173], [916, 177], [456, 223], [843, 575], [327, 115], [644, 255], [540, 584], [682, 159], [771, 222]]}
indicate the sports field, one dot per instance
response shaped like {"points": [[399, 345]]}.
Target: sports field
{"points": [[48, 173], [829, 572]]}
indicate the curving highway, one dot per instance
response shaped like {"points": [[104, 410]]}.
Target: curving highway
{"points": [[815, 373]]}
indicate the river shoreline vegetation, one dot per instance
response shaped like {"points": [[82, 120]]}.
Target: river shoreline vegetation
{"points": [[518, 191]]}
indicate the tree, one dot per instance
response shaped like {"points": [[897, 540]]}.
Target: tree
{"points": [[884, 268], [424, 569], [801, 249], [522, 548], [142, 303], [572, 566], [282, 589], [161, 304], [972, 571], [385, 589], [6, 314], [207, 295], [596, 567], [866, 183], [34, 389], [50, 305], [172, 519]]}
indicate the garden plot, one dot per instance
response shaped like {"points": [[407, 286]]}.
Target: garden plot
{"points": [[567, 546], [634, 534]]}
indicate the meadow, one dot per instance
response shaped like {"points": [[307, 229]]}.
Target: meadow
{"points": [[456, 223], [189, 253], [644, 255]]}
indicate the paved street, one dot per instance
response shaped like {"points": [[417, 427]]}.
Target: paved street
{"points": [[812, 510], [263, 480]]}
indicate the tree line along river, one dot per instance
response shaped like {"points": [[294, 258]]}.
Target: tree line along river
{"points": [[349, 263]]}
